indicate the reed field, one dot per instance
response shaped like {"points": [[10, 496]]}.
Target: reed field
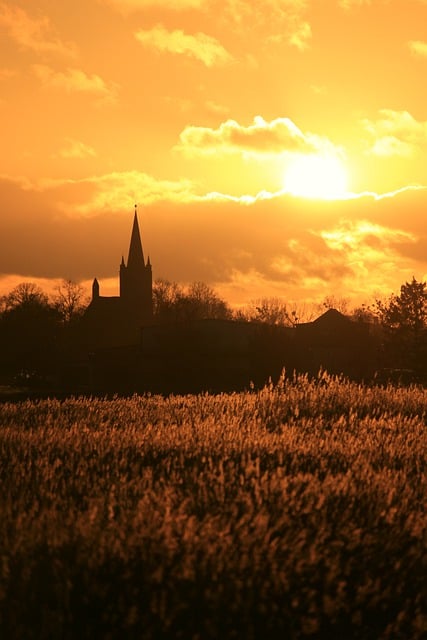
{"points": [[294, 511]]}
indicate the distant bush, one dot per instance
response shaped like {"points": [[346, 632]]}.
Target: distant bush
{"points": [[291, 512]]}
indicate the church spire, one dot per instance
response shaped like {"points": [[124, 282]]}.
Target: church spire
{"points": [[136, 254]]}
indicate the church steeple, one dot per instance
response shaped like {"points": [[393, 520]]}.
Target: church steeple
{"points": [[136, 254], [95, 289], [136, 278]]}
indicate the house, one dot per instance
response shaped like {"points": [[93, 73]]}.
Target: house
{"points": [[338, 344]]}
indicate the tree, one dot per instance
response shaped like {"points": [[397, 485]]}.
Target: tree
{"points": [[201, 302], [406, 312], [333, 302], [166, 299], [28, 331], [173, 303], [70, 300], [364, 313], [25, 295], [274, 311], [404, 319]]}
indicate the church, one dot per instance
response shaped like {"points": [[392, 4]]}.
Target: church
{"points": [[113, 321], [122, 347]]}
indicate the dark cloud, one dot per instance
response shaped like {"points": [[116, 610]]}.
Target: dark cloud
{"points": [[274, 245]]}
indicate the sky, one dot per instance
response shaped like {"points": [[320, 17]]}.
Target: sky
{"points": [[275, 148]]}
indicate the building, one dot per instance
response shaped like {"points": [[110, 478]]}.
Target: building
{"points": [[337, 344], [113, 321], [123, 348]]}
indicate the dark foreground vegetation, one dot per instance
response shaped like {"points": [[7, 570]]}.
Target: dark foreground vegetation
{"points": [[292, 512]]}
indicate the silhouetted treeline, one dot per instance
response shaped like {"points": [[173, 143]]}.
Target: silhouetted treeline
{"points": [[38, 334]]}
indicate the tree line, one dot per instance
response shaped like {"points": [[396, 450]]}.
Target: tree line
{"points": [[34, 326]]}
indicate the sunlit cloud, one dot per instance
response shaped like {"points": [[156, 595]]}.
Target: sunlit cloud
{"points": [[348, 4], [345, 258], [395, 133], [300, 35], [261, 137], [351, 235], [248, 247], [34, 33], [118, 191], [391, 146], [10, 281], [418, 47], [282, 21], [371, 252], [200, 46], [76, 81], [310, 263], [76, 149], [215, 107], [285, 20]]}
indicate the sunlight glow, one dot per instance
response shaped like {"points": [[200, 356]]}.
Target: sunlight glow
{"points": [[320, 177]]}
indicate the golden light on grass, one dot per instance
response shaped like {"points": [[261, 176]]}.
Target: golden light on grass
{"points": [[322, 177]]}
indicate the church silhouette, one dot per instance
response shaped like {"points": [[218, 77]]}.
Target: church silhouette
{"points": [[117, 320], [123, 346]]}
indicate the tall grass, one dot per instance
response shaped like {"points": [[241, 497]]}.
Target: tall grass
{"points": [[295, 511]]}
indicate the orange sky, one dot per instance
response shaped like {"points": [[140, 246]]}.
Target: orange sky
{"points": [[197, 110]]}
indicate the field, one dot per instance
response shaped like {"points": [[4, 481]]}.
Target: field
{"points": [[295, 511]]}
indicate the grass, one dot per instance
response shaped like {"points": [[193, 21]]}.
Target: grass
{"points": [[295, 511]]}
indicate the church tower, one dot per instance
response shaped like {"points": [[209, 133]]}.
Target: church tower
{"points": [[136, 279]]}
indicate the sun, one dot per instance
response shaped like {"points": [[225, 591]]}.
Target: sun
{"points": [[322, 177]]}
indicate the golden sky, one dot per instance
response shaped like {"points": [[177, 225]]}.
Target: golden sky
{"points": [[274, 147]]}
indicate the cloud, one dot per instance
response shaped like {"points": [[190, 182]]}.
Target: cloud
{"points": [[418, 47], [116, 191], [76, 81], [200, 46], [348, 4], [370, 250], [76, 149], [283, 19], [261, 137], [36, 34], [395, 133], [300, 35], [353, 235], [265, 246], [391, 146], [215, 107]]}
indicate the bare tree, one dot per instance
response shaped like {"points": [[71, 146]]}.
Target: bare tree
{"points": [[275, 311], [172, 302], [70, 300], [334, 302], [364, 313], [166, 298], [25, 294], [299, 312], [203, 302]]}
